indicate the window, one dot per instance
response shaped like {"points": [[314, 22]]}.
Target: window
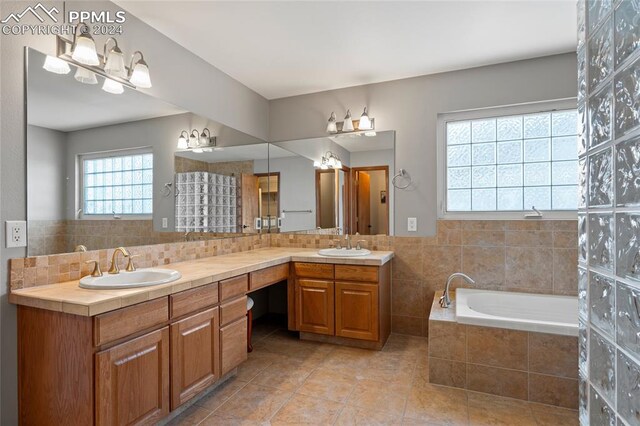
{"points": [[511, 162], [119, 182]]}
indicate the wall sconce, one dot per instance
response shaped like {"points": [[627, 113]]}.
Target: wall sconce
{"points": [[197, 142], [349, 125], [329, 161], [81, 51]]}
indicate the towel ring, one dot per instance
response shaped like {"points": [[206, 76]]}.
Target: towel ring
{"points": [[402, 173], [167, 189]]}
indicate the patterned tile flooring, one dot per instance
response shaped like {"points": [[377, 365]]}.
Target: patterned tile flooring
{"points": [[293, 382]]}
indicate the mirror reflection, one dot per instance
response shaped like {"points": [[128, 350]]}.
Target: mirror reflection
{"points": [[336, 185], [100, 166]]}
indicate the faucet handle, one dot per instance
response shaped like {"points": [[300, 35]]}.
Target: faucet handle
{"points": [[358, 245], [96, 268], [130, 266], [337, 244]]}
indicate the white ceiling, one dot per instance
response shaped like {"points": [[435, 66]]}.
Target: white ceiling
{"points": [[286, 48]]}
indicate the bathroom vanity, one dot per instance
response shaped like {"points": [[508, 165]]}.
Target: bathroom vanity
{"points": [[132, 356]]}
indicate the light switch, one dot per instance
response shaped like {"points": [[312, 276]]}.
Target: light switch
{"points": [[165, 223], [412, 224]]}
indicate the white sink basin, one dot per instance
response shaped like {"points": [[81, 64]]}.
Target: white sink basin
{"points": [[139, 278], [343, 252]]}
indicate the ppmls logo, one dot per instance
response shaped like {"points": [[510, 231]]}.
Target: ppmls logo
{"points": [[38, 11]]}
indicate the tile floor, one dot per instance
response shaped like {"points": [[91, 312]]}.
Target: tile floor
{"points": [[293, 382]]}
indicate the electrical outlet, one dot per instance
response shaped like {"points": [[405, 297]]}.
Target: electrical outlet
{"points": [[412, 224], [16, 233], [165, 223]]}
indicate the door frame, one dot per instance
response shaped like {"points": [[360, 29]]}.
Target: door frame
{"points": [[268, 175], [354, 190]]}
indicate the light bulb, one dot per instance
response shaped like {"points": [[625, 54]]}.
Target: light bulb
{"points": [[182, 143], [198, 150], [56, 65], [347, 125], [114, 64], [193, 139], [111, 86], [365, 122], [338, 164], [331, 125], [85, 76], [140, 74], [324, 167], [316, 164], [84, 50], [370, 134]]}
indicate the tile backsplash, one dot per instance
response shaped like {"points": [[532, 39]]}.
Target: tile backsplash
{"points": [[526, 255]]}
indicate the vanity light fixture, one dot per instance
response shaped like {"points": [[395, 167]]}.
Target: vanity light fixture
{"points": [[84, 47], [114, 59], [331, 125], [183, 142], [56, 65], [112, 86], [329, 161], [139, 72], [197, 142], [85, 76], [364, 125]]}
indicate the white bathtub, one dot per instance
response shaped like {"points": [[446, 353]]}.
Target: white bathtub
{"points": [[518, 311]]}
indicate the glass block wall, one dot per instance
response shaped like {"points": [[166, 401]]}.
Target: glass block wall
{"points": [[609, 211]]}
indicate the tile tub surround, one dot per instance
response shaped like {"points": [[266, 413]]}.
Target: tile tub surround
{"points": [[536, 367], [70, 298], [537, 256]]}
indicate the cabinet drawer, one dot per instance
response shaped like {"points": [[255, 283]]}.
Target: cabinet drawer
{"points": [[233, 310], [268, 276], [192, 300], [367, 274], [233, 345], [233, 287], [123, 322], [313, 270]]}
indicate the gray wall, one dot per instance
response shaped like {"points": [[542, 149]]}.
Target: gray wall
{"points": [[204, 90], [46, 178], [410, 107]]}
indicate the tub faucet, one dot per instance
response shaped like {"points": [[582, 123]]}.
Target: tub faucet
{"points": [[445, 300]]}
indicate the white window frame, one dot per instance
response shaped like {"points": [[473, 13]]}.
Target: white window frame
{"points": [[104, 154], [444, 118]]}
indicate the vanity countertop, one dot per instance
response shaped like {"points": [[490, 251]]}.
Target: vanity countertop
{"points": [[70, 298]]}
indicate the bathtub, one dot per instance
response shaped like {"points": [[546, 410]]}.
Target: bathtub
{"points": [[517, 311]]}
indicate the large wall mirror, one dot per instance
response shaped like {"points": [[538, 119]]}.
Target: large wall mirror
{"points": [[103, 169], [338, 184]]}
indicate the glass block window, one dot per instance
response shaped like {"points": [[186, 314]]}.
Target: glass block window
{"points": [[513, 162], [117, 183]]}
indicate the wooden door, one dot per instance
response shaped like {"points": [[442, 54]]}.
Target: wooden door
{"points": [[233, 345], [314, 306], [195, 355], [132, 381], [357, 310], [364, 203], [250, 203]]}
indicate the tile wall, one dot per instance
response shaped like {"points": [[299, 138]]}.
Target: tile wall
{"points": [[609, 214]]}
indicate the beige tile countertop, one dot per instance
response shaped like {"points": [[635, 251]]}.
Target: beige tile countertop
{"points": [[70, 298]]}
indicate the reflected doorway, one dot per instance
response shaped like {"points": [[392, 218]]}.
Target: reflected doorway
{"points": [[370, 210]]}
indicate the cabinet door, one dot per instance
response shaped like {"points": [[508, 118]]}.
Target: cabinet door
{"points": [[132, 381], [357, 310], [195, 355], [233, 345], [314, 306]]}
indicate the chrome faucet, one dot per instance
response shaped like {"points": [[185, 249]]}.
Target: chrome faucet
{"points": [[347, 240], [445, 300], [113, 269]]}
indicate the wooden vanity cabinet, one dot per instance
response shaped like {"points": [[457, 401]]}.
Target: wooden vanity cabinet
{"points": [[132, 381], [349, 302], [195, 359]]}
